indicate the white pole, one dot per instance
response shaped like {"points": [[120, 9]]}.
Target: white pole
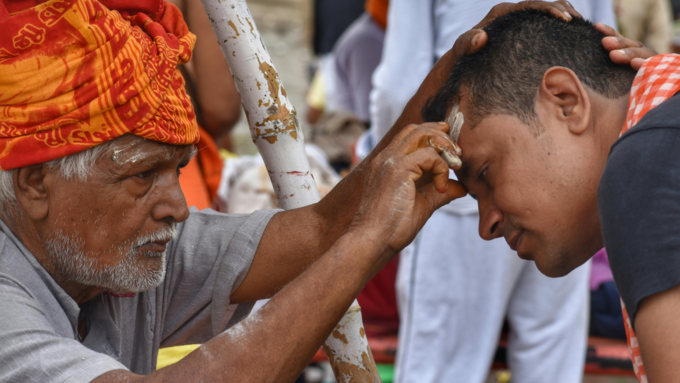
{"points": [[276, 133]]}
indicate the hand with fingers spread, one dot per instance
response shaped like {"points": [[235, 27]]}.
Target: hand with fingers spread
{"points": [[622, 50], [396, 202], [474, 39]]}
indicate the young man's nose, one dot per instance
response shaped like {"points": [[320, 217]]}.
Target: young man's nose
{"points": [[490, 220]]}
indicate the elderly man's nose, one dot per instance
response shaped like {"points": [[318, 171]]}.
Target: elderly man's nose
{"points": [[172, 205], [490, 220]]}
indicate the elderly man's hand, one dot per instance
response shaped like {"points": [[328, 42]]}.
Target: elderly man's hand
{"points": [[394, 206], [474, 39], [622, 50]]}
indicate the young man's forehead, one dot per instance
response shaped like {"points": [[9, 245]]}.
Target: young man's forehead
{"points": [[465, 172]]}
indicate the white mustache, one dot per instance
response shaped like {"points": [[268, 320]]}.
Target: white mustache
{"points": [[166, 234]]}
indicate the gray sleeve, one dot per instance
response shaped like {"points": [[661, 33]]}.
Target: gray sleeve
{"points": [[206, 263], [32, 351]]}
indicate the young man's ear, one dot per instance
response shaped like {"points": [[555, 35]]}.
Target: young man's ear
{"points": [[565, 99], [30, 191]]}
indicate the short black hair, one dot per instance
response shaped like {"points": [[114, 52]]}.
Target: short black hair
{"points": [[504, 76]]}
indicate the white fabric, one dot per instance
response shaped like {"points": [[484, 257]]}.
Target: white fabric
{"points": [[419, 32], [454, 291], [326, 65], [245, 185]]}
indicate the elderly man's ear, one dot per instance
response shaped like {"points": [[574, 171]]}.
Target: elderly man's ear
{"points": [[565, 99], [30, 190]]}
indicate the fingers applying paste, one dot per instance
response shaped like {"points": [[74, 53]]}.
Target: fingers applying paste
{"points": [[451, 159]]}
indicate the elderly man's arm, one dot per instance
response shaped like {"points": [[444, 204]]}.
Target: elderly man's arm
{"points": [[276, 343], [295, 239]]}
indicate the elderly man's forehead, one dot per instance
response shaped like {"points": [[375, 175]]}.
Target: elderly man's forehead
{"points": [[131, 149]]}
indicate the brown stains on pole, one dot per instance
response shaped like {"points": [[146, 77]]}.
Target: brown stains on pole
{"points": [[252, 29], [279, 120], [231, 24], [340, 336], [351, 373], [355, 367], [272, 78]]}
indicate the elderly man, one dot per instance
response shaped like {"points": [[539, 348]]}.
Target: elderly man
{"points": [[103, 263]]}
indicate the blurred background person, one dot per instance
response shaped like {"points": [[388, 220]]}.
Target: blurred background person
{"points": [[217, 104], [454, 289], [331, 18], [606, 317], [647, 21], [356, 55]]}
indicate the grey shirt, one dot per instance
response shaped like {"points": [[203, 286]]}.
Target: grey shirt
{"points": [[38, 321], [356, 56]]}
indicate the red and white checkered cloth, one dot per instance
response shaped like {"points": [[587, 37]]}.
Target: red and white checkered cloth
{"points": [[657, 80]]}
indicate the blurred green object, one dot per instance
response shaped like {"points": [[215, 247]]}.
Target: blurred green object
{"points": [[386, 372]]}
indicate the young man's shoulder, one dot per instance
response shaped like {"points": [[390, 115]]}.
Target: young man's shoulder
{"points": [[638, 202]]}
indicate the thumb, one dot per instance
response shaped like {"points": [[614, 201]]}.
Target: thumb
{"points": [[436, 199]]}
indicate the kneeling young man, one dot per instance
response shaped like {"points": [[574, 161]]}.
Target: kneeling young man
{"points": [[566, 153]]}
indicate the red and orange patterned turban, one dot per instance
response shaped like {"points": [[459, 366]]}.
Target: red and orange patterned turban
{"points": [[75, 74]]}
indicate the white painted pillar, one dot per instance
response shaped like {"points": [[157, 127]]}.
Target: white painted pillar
{"points": [[276, 132]]}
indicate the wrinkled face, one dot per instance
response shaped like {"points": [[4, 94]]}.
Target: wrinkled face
{"points": [[537, 189], [112, 230]]}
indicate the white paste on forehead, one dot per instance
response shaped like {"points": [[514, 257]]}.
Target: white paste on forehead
{"points": [[133, 152], [455, 120]]}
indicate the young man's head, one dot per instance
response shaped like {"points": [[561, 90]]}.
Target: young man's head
{"points": [[542, 104]]}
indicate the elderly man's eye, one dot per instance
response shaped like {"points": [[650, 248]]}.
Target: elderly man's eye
{"points": [[144, 175], [179, 168]]}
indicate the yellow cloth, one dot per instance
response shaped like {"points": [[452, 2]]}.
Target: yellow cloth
{"points": [[316, 96], [171, 355]]}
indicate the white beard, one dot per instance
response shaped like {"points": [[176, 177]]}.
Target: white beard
{"points": [[129, 275]]}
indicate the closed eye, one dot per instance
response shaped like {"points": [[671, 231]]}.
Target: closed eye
{"points": [[482, 175], [144, 175], [180, 167]]}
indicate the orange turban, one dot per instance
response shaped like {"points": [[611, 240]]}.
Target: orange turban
{"points": [[75, 74]]}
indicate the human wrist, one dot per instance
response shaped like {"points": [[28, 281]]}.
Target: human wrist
{"points": [[370, 241]]}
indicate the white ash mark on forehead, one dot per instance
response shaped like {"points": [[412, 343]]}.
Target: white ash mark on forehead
{"points": [[141, 150], [455, 120]]}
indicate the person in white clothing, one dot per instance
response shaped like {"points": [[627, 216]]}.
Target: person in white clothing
{"points": [[454, 289]]}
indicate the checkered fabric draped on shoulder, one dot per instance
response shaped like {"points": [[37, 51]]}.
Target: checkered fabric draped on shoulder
{"points": [[657, 80]]}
